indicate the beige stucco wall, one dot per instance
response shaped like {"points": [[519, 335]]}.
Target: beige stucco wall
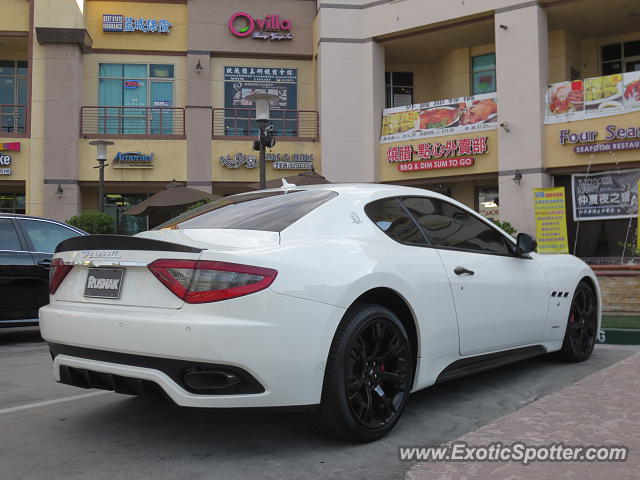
{"points": [[306, 77], [558, 155], [59, 13], [175, 40], [243, 174], [15, 15], [20, 167], [485, 163], [169, 161]]}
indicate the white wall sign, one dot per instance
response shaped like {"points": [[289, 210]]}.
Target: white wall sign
{"points": [[5, 161]]}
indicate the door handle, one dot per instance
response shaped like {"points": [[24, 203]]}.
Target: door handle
{"points": [[463, 271], [46, 263]]}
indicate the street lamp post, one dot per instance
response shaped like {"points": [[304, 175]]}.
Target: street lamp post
{"points": [[265, 137], [101, 146]]}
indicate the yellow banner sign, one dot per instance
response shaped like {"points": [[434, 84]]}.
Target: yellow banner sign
{"points": [[551, 220]]}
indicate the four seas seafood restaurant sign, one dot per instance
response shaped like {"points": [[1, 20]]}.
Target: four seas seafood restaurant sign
{"points": [[441, 117]]}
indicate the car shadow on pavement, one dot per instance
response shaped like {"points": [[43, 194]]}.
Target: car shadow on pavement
{"points": [[232, 437], [20, 335], [120, 437]]}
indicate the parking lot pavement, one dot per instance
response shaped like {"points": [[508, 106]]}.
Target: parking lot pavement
{"points": [[110, 436], [599, 410]]}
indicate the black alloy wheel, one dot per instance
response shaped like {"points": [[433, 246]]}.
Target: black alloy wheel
{"points": [[582, 325], [369, 375], [376, 373]]}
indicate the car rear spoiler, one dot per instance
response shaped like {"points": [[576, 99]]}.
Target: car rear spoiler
{"points": [[120, 242]]}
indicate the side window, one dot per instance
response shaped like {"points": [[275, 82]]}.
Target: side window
{"points": [[448, 226], [8, 236], [392, 219], [45, 236]]}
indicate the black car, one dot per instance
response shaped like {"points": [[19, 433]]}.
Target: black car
{"points": [[26, 246]]}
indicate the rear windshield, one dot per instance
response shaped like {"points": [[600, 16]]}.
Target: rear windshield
{"points": [[267, 211]]}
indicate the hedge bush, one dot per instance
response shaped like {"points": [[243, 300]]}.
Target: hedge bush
{"points": [[95, 223]]}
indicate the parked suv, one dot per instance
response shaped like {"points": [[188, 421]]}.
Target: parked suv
{"points": [[26, 246]]}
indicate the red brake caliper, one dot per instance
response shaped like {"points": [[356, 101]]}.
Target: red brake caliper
{"points": [[571, 318]]}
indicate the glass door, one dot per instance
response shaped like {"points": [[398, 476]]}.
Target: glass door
{"points": [[161, 118]]}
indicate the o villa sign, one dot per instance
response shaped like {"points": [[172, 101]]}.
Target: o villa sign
{"points": [[271, 27]]}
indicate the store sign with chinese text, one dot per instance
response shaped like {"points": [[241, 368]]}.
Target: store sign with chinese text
{"points": [[271, 27], [626, 138], [122, 23], [605, 195], [439, 118], [133, 160], [430, 156], [551, 220], [593, 97], [279, 161]]}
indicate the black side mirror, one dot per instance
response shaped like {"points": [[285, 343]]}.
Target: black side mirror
{"points": [[526, 243]]}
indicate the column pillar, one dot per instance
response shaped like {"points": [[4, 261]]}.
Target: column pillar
{"points": [[522, 61], [62, 100], [351, 99], [198, 120]]}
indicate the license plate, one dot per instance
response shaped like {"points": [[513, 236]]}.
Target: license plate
{"points": [[104, 282]]}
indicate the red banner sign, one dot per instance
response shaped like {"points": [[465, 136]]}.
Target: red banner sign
{"points": [[434, 164], [15, 146]]}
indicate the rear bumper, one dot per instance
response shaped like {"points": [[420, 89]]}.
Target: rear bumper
{"points": [[275, 344]]}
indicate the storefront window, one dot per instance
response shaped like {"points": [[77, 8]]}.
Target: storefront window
{"points": [[488, 203], [620, 57], [483, 73], [143, 90], [116, 204], [13, 95], [12, 203], [398, 89]]}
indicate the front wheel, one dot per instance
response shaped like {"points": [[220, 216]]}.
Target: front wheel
{"points": [[582, 325], [368, 376]]}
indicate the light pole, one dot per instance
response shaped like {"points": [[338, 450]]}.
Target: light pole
{"points": [[265, 137], [102, 157]]}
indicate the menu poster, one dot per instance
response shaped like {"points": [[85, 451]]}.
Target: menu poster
{"points": [[440, 117], [593, 97]]}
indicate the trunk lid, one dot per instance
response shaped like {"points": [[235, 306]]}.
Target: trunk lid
{"points": [[101, 262], [106, 265]]}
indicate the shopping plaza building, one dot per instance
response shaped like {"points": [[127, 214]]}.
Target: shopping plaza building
{"points": [[482, 100]]}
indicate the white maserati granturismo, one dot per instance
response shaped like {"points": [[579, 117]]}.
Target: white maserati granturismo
{"points": [[344, 297]]}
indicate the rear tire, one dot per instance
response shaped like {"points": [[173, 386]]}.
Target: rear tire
{"points": [[582, 326], [368, 376]]}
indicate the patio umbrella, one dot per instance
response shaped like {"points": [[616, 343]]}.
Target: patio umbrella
{"points": [[305, 178], [169, 200]]}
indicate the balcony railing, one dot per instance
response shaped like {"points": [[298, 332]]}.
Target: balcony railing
{"points": [[240, 123], [13, 118], [159, 122]]}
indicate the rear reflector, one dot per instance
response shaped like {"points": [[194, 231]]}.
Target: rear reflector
{"points": [[57, 274], [201, 281]]}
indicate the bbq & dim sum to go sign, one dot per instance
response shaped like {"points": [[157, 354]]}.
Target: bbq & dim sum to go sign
{"points": [[451, 154], [440, 117]]}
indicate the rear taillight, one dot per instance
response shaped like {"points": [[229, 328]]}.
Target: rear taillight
{"points": [[57, 274], [201, 281]]}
